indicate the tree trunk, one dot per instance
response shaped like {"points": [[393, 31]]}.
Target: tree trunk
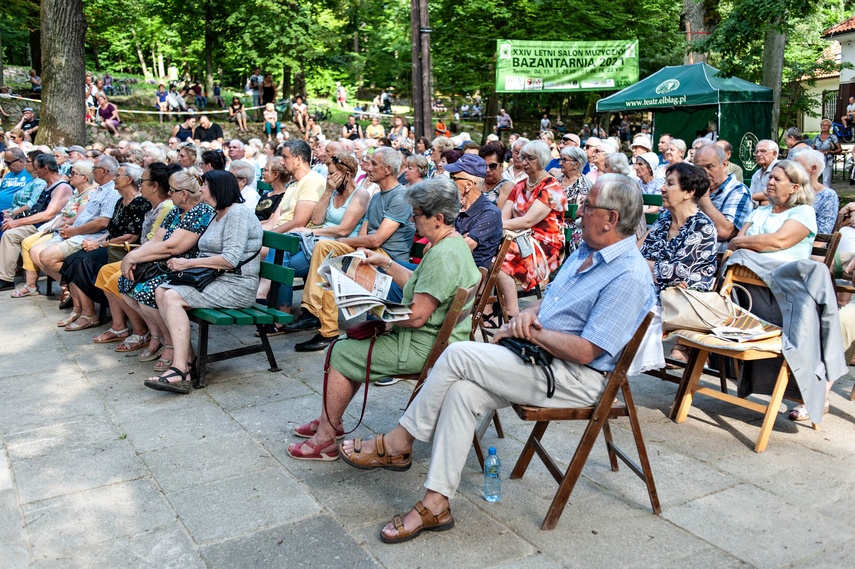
{"points": [[64, 66], [209, 48], [160, 69], [773, 69], [140, 55], [286, 82], [95, 56], [1, 58], [153, 61], [694, 23], [36, 47]]}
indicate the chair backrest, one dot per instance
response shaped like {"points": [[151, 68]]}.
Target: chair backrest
{"points": [[485, 292], [651, 199], [824, 247], [842, 219], [456, 314], [274, 271], [629, 351]]}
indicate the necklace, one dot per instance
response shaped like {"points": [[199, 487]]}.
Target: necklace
{"points": [[531, 185]]}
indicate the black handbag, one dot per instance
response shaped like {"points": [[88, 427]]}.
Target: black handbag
{"points": [[201, 277], [533, 354], [145, 271]]}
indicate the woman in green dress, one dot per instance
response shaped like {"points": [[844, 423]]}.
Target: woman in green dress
{"points": [[429, 290]]}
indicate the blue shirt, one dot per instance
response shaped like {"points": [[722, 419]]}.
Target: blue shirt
{"points": [[10, 185], [603, 304], [102, 203], [482, 223]]}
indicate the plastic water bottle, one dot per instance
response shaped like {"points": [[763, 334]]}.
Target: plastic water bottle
{"points": [[492, 482]]}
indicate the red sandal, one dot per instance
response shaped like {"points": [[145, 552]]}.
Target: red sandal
{"points": [[305, 450]]}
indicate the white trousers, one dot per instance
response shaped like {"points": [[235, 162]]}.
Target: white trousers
{"points": [[10, 250], [470, 380]]}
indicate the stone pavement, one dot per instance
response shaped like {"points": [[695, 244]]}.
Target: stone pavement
{"points": [[98, 471]]}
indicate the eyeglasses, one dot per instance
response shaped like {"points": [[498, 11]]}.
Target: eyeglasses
{"points": [[587, 205], [172, 190], [414, 215], [566, 139], [761, 151], [145, 180], [527, 158], [99, 168], [493, 166], [8, 163]]}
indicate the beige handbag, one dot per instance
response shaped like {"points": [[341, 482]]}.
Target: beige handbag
{"points": [[687, 309]]}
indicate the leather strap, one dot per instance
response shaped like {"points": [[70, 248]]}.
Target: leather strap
{"points": [[367, 376]]}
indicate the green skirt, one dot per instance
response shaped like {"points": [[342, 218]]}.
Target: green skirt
{"points": [[403, 351]]}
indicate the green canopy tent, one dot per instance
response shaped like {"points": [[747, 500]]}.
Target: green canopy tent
{"points": [[686, 98]]}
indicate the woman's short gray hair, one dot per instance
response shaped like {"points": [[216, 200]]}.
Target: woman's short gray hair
{"points": [[442, 144], [436, 195], [796, 174], [793, 132], [808, 157], [680, 145], [521, 141], [420, 162], [617, 163], [243, 170], [538, 150], [85, 168], [132, 171], [621, 194], [575, 154]]}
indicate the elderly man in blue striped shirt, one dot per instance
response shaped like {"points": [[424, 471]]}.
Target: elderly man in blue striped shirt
{"points": [[587, 315]]}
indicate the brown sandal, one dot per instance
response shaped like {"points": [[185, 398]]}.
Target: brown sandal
{"points": [[430, 522], [376, 459]]}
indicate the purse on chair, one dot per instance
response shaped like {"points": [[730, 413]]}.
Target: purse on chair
{"points": [[687, 309]]}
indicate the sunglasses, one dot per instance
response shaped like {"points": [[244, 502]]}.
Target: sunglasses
{"points": [[493, 166]]}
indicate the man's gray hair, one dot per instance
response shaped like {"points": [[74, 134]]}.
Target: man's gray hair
{"points": [[240, 143], [621, 194], [809, 157], [701, 142], [390, 157], [617, 163], [61, 150], [575, 154], [436, 195], [16, 153], [538, 150], [133, 171], [714, 148], [243, 169], [299, 148], [110, 164], [771, 144]]}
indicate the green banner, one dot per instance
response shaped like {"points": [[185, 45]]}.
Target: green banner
{"points": [[565, 65]]}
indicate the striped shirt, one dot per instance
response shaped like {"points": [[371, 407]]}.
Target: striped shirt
{"points": [[603, 304], [733, 200]]}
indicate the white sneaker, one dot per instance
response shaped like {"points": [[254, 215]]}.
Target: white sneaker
{"points": [[387, 381]]}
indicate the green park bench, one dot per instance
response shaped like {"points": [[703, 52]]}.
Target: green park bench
{"points": [[257, 315]]}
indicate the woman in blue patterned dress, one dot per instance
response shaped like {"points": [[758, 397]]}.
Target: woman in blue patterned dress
{"points": [[680, 250], [177, 237]]}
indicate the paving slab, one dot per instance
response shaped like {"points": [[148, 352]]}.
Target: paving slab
{"points": [[227, 508], [318, 542], [755, 525]]}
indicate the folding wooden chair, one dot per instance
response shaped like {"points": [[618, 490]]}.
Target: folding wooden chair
{"points": [[598, 419], [702, 345], [488, 293], [457, 313]]}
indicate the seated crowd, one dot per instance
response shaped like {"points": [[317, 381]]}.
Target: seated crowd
{"points": [[115, 225]]}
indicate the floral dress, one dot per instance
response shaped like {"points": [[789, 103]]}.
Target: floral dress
{"points": [[687, 258], [576, 194], [548, 233], [196, 220]]}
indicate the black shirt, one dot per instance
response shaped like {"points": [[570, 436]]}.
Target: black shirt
{"points": [[482, 223], [352, 130], [30, 125], [208, 134]]}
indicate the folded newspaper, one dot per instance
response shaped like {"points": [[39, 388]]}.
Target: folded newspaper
{"points": [[359, 287], [745, 335]]}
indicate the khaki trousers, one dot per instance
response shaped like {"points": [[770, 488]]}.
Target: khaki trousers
{"points": [[316, 300], [10, 249], [469, 381]]}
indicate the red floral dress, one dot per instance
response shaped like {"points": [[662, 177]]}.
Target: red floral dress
{"points": [[549, 232]]}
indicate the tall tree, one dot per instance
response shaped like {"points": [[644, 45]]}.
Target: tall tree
{"points": [[63, 71]]}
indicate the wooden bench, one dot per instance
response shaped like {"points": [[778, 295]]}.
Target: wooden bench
{"points": [[257, 315]]}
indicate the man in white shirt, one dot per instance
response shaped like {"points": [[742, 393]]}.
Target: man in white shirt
{"points": [[850, 113], [766, 155]]}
